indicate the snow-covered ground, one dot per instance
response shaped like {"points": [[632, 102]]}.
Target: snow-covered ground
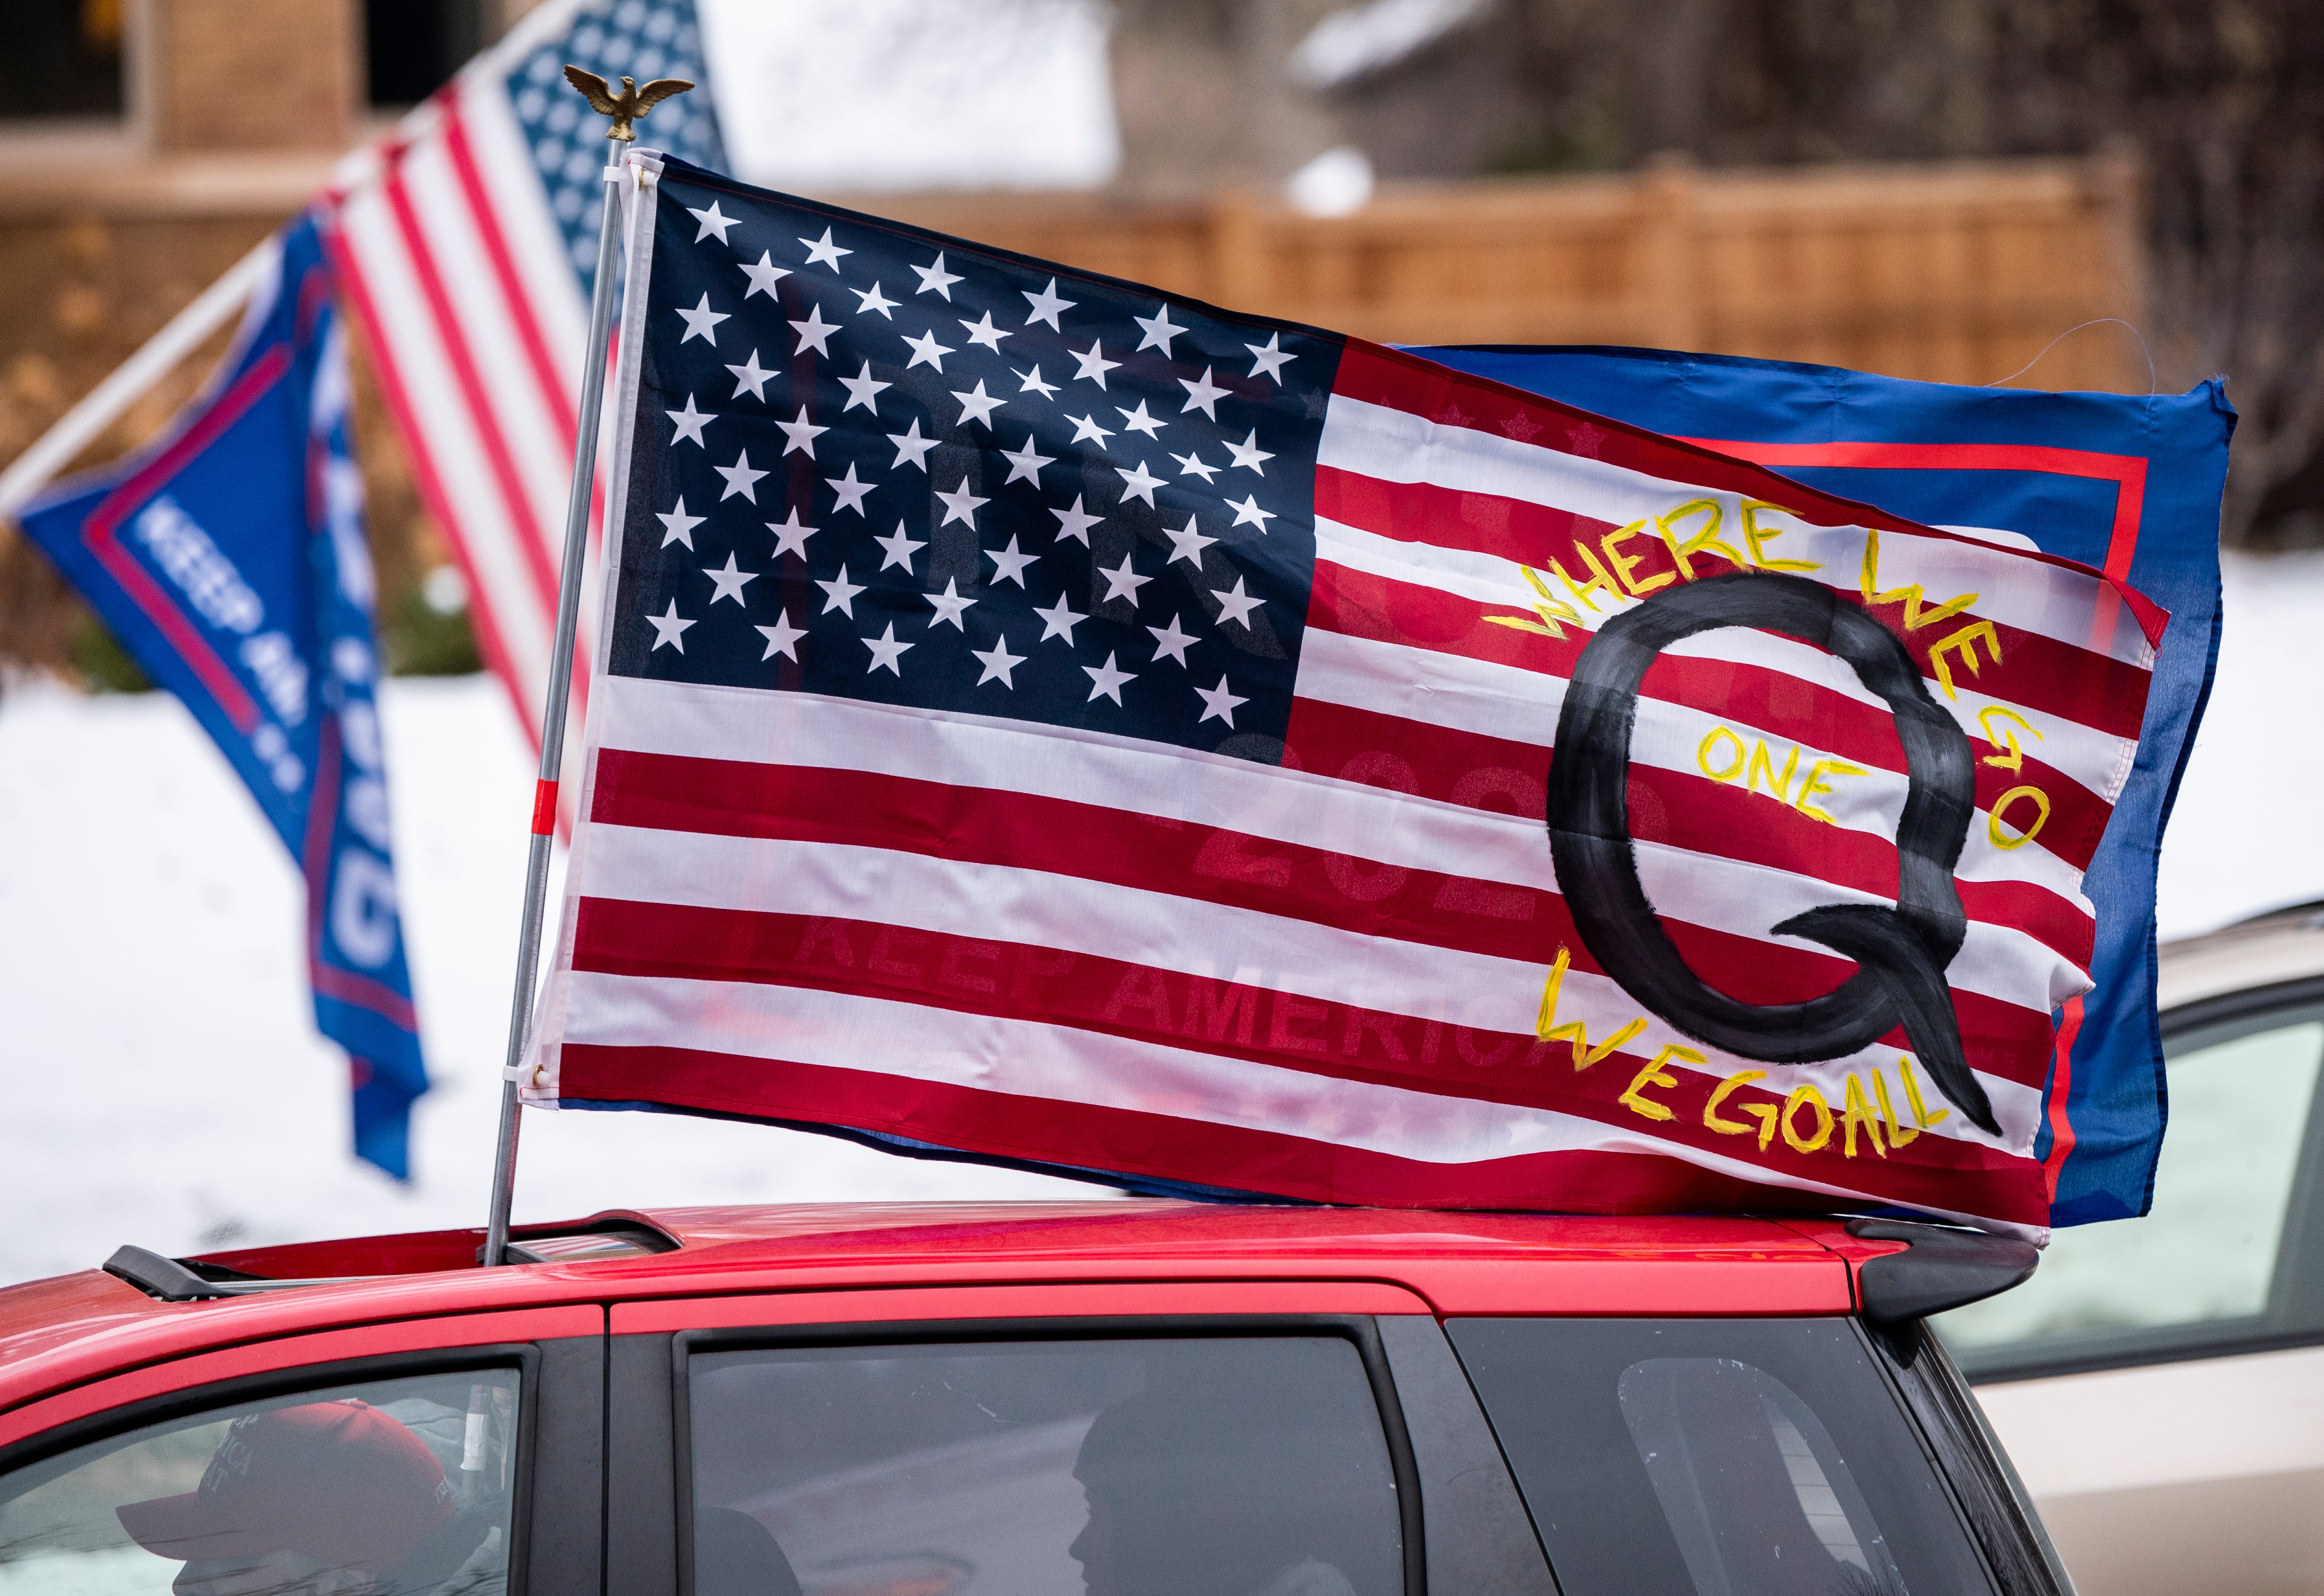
{"points": [[160, 1081]]}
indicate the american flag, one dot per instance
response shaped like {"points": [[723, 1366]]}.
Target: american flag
{"points": [[1045, 721], [465, 244]]}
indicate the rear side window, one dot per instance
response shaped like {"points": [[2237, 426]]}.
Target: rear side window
{"points": [[1715, 1457], [389, 1488], [1235, 1466], [2204, 1261]]}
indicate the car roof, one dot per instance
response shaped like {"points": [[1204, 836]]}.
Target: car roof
{"points": [[79, 1326], [2281, 946]]}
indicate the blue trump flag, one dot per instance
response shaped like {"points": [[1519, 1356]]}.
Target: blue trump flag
{"points": [[228, 558], [2130, 485]]}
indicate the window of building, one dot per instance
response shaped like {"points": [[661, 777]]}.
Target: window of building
{"points": [[411, 48], [64, 58]]}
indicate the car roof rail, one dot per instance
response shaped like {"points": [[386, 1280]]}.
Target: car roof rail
{"points": [[183, 1279], [1943, 1268]]}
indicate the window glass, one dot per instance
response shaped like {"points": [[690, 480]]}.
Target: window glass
{"points": [[2207, 1250], [1197, 1467], [1716, 1458], [391, 1487]]}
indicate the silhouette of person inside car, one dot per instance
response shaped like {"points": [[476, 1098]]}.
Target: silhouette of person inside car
{"points": [[1214, 1491], [330, 1498]]}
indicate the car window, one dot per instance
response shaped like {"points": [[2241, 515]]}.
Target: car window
{"points": [[1250, 1466], [387, 1488], [2206, 1253], [1716, 1458]]}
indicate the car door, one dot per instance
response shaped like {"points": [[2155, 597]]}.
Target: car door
{"points": [[459, 1456], [1297, 1439], [2160, 1383]]}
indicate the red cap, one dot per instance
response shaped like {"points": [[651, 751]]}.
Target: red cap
{"points": [[341, 1482]]}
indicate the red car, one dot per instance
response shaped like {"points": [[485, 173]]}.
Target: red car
{"points": [[1126, 1399]]}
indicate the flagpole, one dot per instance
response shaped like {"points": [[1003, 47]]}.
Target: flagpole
{"points": [[622, 108]]}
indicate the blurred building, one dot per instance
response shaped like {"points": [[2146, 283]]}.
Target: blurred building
{"points": [[1331, 162]]}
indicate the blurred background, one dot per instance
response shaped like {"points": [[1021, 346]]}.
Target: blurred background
{"points": [[1936, 190]]}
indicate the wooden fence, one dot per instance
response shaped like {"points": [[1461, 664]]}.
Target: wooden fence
{"points": [[1948, 273]]}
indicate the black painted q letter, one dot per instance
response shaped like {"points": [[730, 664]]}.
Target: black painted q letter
{"points": [[1901, 953]]}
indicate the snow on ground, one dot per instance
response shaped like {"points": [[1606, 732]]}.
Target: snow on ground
{"points": [[160, 1081]]}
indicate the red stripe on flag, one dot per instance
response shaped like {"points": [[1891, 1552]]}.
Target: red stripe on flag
{"points": [[529, 535], [809, 804], [554, 399], [1086, 1136], [2040, 672], [1758, 699], [433, 491]]}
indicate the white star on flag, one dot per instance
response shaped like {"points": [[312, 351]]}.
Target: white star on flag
{"points": [[841, 595], [1032, 383], [1092, 362], [1202, 395], [851, 490], [977, 405], [1186, 543], [690, 423], [782, 638], [668, 629], [751, 376], [873, 300], [730, 582], [1010, 562], [1106, 680], [740, 479], [899, 549], [711, 222], [936, 279], [1194, 464], [949, 604], [1169, 642], [1074, 523], [800, 434], [702, 320], [1139, 483], [1270, 360], [1141, 420], [960, 504], [886, 651], [1025, 464], [1159, 333], [677, 526], [1248, 514], [1248, 453], [791, 536], [1087, 430], [863, 386], [814, 332], [1121, 582], [763, 276], [1217, 701], [982, 331], [1046, 305], [912, 448], [926, 351], [997, 663], [1235, 606], [823, 252], [1059, 621]]}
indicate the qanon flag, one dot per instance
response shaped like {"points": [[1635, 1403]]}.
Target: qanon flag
{"points": [[2129, 484], [1045, 722], [228, 558]]}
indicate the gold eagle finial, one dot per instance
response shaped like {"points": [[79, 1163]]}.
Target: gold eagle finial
{"points": [[628, 106]]}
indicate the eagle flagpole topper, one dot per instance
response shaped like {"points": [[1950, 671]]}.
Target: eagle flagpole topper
{"points": [[625, 109]]}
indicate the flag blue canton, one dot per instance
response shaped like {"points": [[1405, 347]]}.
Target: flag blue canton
{"points": [[883, 465], [643, 39]]}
